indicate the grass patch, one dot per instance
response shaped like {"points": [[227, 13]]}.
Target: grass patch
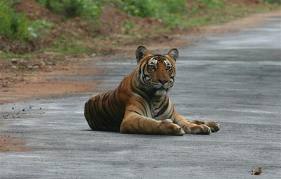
{"points": [[39, 28], [127, 27], [89, 9], [69, 46], [273, 1], [186, 14], [220, 13], [13, 25], [10, 55], [16, 26], [63, 45], [168, 11]]}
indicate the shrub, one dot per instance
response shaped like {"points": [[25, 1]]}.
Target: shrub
{"points": [[273, 1], [12, 25], [73, 8], [212, 3], [169, 11], [127, 27], [38, 28]]}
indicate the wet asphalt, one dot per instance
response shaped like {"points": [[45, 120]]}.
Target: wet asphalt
{"points": [[234, 79]]}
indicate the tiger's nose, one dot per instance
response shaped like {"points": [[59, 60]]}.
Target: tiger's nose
{"points": [[163, 81]]}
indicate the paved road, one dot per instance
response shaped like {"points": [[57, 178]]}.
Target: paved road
{"points": [[234, 79]]}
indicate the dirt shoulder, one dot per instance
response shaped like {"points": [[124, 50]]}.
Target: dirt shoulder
{"points": [[47, 79], [8, 143]]}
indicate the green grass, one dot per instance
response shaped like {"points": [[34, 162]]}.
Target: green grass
{"points": [[39, 28], [273, 1], [12, 25], [221, 14], [69, 46], [168, 11], [63, 45], [186, 14], [89, 9], [127, 27], [10, 55], [16, 26]]}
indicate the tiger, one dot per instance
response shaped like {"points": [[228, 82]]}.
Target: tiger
{"points": [[141, 105]]}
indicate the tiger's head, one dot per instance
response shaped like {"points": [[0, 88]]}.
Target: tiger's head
{"points": [[157, 72]]}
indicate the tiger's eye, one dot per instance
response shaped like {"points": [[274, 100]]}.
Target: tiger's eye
{"points": [[152, 63], [168, 65], [151, 67]]}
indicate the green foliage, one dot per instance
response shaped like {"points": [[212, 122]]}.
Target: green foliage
{"points": [[273, 1], [73, 8], [16, 26], [39, 27], [12, 25], [127, 27], [212, 3], [10, 2], [169, 11], [69, 45]]}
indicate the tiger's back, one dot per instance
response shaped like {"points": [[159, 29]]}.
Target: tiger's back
{"points": [[104, 112]]}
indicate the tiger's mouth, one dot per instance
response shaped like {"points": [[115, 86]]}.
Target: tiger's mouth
{"points": [[165, 86], [160, 92]]}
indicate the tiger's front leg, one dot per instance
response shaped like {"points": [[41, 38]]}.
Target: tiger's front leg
{"points": [[190, 127], [135, 123]]}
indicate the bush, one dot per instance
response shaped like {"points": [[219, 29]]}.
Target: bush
{"points": [[169, 11], [212, 3], [73, 8], [127, 27], [273, 1], [38, 28], [12, 25]]}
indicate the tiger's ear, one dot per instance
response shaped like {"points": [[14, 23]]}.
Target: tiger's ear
{"points": [[140, 52], [174, 53]]}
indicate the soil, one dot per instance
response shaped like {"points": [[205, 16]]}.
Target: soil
{"points": [[37, 83], [9, 143]]}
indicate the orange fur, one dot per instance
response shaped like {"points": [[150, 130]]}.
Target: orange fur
{"points": [[140, 103]]}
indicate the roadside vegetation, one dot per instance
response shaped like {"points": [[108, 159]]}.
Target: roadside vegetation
{"points": [[30, 28], [73, 8]]}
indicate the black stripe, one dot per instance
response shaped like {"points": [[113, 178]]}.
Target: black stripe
{"points": [[163, 109], [134, 112]]}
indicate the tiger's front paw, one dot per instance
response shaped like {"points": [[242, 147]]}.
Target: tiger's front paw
{"points": [[168, 127], [201, 129], [215, 127], [198, 129]]}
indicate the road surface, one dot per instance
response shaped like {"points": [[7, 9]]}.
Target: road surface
{"points": [[234, 79]]}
